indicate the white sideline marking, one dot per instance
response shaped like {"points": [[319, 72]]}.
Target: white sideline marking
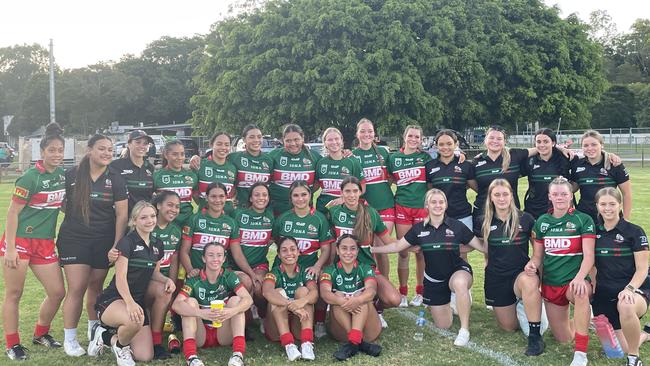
{"points": [[499, 357]]}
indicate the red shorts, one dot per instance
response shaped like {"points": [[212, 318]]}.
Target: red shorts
{"points": [[408, 215], [36, 251], [211, 339], [262, 266], [387, 215], [555, 294]]}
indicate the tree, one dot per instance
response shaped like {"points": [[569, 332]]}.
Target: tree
{"points": [[451, 63], [603, 31], [642, 114], [635, 46], [18, 64], [616, 109]]}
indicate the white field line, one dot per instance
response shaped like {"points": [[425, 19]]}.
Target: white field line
{"points": [[499, 357]]}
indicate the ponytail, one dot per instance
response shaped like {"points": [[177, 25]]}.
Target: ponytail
{"points": [[83, 183], [363, 223]]}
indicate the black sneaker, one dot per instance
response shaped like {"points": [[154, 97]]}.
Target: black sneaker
{"points": [[47, 341], [160, 353], [371, 349], [346, 351], [17, 353], [535, 346], [633, 361], [177, 323]]}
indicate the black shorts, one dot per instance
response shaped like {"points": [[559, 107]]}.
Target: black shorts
{"points": [[605, 302], [108, 297], [499, 289], [437, 292], [90, 252]]}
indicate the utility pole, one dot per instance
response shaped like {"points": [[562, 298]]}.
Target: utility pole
{"points": [[52, 101]]}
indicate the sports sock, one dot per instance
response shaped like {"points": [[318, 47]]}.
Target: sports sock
{"points": [[419, 289], [533, 328], [286, 338], [239, 344], [404, 290], [189, 348], [355, 336], [70, 334], [12, 339], [41, 330], [582, 342], [156, 337], [307, 335]]}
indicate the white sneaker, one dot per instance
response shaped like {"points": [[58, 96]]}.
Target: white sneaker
{"points": [[307, 350], [96, 344], [404, 303], [417, 300], [195, 361], [72, 348], [292, 352], [579, 359], [452, 304], [383, 322], [123, 356], [522, 318], [319, 330], [462, 338], [237, 359]]}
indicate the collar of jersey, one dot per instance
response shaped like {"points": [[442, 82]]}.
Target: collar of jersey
{"points": [[39, 165], [354, 265], [205, 276], [311, 211], [445, 221], [285, 271], [621, 226], [571, 211]]}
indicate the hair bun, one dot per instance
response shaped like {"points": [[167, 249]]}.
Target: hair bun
{"points": [[53, 129]]}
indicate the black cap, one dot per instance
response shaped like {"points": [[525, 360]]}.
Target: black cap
{"points": [[139, 134]]}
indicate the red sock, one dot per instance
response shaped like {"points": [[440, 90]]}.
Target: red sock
{"points": [[189, 348], [12, 339], [41, 330], [320, 315], [286, 338], [307, 335], [404, 290], [582, 341], [157, 337], [355, 336], [239, 344], [419, 289]]}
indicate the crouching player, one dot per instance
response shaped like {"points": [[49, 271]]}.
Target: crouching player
{"points": [[199, 320], [291, 292], [350, 288]]}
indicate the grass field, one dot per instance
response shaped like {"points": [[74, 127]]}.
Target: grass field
{"points": [[489, 346]]}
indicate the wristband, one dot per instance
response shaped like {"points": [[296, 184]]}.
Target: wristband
{"points": [[630, 287]]}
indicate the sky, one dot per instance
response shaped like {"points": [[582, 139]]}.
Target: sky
{"points": [[89, 31]]}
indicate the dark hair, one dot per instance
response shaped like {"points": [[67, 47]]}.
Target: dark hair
{"points": [[255, 185], [162, 197], [347, 236], [217, 134], [248, 128], [300, 183], [213, 244], [447, 132], [168, 146], [283, 239], [82, 186], [363, 222], [215, 185], [372, 144], [53, 131], [292, 127], [548, 132]]}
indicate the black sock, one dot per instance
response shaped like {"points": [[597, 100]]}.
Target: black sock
{"points": [[533, 328], [119, 345], [106, 337]]}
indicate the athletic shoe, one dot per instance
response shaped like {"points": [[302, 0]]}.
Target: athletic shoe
{"points": [[634, 361], [194, 361], [522, 318], [383, 322], [346, 351], [307, 350], [47, 341], [262, 330], [254, 313], [123, 356], [72, 348], [173, 344], [535, 346], [371, 349], [579, 359], [452, 304], [292, 352], [462, 338], [404, 302], [319, 330], [96, 344], [417, 300], [17, 353], [237, 359], [160, 353]]}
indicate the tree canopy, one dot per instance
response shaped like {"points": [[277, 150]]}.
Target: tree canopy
{"points": [[438, 63]]}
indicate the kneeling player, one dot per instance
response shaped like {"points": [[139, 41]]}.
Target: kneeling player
{"points": [[350, 288], [291, 292], [193, 305]]}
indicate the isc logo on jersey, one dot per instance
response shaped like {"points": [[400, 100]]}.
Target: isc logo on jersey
{"points": [[557, 243]]}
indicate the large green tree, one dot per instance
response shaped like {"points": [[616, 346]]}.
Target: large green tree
{"points": [[615, 109], [453, 63]]}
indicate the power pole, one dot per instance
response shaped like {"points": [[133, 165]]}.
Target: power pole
{"points": [[52, 101]]}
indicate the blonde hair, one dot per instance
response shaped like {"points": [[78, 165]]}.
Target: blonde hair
{"points": [[511, 225], [139, 206], [596, 135], [411, 127], [427, 197], [327, 132], [611, 192], [372, 144], [505, 153]]}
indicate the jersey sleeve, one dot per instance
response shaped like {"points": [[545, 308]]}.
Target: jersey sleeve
{"points": [[161, 249], [25, 188], [195, 180], [327, 274], [537, 232], [307, 277], [124, 246], [324, 232], [518, 156], [477, 226], [412, 235], [118, 184], [527, 222], [188, 288], [379, 227], [367, 273], [234, 233], [466, 235], [620, 174], [588, 229], [356, 169], [188, 229], [272, 277], [233, 282], [640, 240]]}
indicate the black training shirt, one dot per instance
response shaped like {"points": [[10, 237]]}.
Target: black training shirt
{"points": [[540, 173], [139, 180], [452, 180]]}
